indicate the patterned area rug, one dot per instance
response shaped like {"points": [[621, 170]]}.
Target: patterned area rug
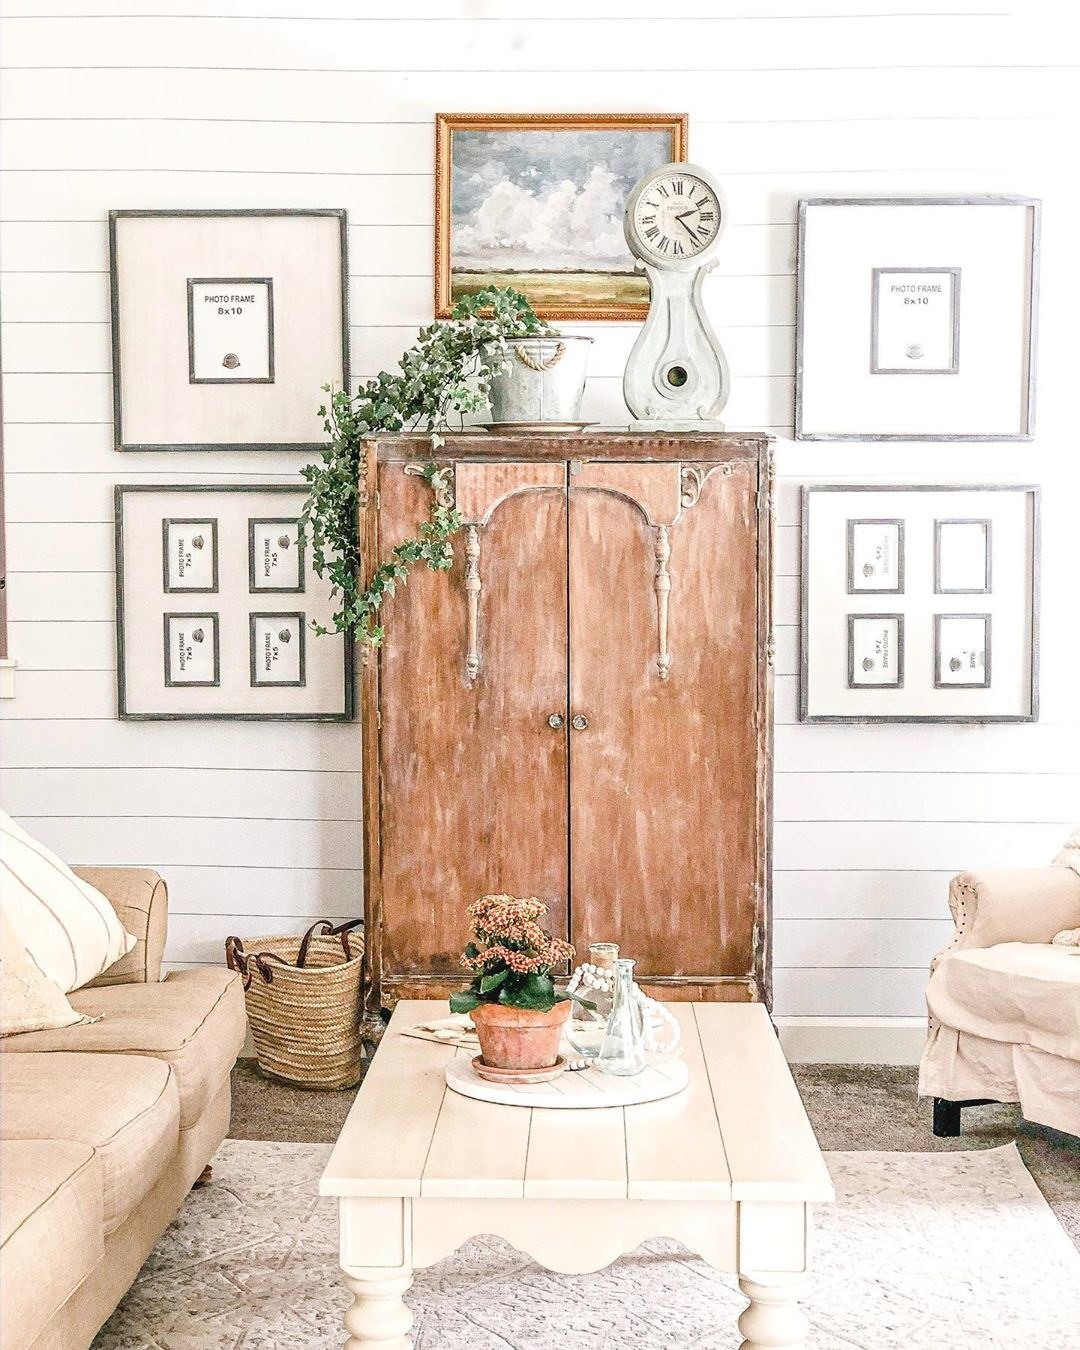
{"points": [[920, 1252]]}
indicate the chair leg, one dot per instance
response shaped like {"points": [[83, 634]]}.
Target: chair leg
{"points": [[946, 1118]]}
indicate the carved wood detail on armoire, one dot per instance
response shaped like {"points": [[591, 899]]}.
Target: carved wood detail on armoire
{"points": [[580, 710]]}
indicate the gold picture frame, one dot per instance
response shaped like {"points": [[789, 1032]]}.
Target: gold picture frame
{"points": [[507, 187]]}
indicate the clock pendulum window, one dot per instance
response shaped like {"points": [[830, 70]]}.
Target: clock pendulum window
{"points": [[676, 377]]}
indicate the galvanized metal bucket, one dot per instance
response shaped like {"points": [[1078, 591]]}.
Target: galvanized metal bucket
{"points": [[543, 382]]}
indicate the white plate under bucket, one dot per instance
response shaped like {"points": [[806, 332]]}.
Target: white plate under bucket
{"points": [[540, 379], [572, 1090]]}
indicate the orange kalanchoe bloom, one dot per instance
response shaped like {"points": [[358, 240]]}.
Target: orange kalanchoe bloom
{"points": [[508, 930]]}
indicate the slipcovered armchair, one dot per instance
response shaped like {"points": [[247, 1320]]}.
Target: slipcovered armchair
{"points": [[1004, 1002]]}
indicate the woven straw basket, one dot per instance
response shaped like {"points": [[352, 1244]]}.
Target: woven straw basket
{"points": [[303, 1003]]}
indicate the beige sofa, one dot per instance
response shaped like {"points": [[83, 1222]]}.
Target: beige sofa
{"points": [[104, 1127], [1004, 1003]]}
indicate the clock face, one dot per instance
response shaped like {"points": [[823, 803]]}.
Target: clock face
{"points": [[676, 217]]}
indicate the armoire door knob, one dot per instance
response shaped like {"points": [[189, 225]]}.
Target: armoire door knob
{"points": [[555, 721], [579, 721]]}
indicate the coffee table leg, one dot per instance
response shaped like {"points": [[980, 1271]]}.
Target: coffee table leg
{"points": [[774, 1320], [378, 1316]]}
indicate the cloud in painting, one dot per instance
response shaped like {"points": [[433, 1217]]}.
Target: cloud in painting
{"points": [[546, 200]]}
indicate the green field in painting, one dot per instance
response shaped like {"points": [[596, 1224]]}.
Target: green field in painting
{"points": [[553, 290]]}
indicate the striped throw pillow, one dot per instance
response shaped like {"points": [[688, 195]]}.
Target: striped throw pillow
{"points": [[70, 930], [28, 1001]]}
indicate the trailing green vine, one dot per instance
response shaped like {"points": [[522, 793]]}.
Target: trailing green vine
{"points": [[446, 372]]}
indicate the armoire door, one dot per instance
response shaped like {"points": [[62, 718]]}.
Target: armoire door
{"points": [[664, 791], [473, 674]]}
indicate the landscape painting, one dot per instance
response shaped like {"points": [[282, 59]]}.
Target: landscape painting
{"points": [[536, 202]]}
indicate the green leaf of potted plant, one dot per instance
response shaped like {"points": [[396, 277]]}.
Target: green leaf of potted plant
{"points": [[518, 1012]]}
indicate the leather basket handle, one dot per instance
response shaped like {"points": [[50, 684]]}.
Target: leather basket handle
{"points": [[327, 929]]}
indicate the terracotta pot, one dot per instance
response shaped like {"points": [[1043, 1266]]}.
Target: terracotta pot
{"points": [[518, 1038]]}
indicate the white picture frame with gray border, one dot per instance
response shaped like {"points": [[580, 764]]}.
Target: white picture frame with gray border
{"points": [[942, 288], [226, 323], [922, 652]]}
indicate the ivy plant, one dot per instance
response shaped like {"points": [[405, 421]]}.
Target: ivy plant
{"points": [[444, 375]]}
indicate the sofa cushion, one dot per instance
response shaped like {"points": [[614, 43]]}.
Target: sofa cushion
{"points": [[1023, 993], [51, 1233], [193, 1021], [124, 1106]]}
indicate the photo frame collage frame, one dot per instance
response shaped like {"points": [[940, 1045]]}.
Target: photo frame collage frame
{"points": [[971, 585], [254, 598]]}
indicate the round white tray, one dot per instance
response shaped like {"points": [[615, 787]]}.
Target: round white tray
{"points": [[576, 1088]]}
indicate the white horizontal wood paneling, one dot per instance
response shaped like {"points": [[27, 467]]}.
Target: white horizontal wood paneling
{"points": [[199, 939], [157, 841], [520, 46], [891, 944], [1005, 798], [146, 746], [849, 991], [268, 794], [265, 892], [267, 102], [818, 895]]}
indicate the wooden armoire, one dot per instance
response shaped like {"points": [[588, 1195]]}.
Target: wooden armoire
{"points": [[580, 710]]}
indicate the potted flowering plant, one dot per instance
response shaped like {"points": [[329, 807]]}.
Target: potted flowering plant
{"points": [[518, 1012]]}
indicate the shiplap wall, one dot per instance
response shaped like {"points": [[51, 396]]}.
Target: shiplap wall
{"points": [[187, 103]]}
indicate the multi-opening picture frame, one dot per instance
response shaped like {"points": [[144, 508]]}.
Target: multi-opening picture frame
{"points": [[226, 324], [244, 646], [903, 590]]}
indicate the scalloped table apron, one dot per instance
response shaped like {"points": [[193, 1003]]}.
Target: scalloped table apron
{"points": [[729, 1167]]}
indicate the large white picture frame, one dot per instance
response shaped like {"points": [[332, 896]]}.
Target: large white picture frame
{"points": [[216, 602], [942, 288], [950, 570], [226, 325]]}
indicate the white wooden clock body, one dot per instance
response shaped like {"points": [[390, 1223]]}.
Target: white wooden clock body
{"points": [[676, 376]]}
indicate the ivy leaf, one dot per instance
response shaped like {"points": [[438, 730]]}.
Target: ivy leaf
{"points": [[441, 373]]}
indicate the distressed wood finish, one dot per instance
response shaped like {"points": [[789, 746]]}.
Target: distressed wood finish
{"points": [[663, 791], [614, 577], [729, 1167], [473, 778]]}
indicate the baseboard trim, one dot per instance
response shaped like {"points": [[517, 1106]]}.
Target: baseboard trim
{"points": [[852, 1040]]}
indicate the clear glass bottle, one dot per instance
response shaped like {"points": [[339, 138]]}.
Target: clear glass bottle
{"points": [[596, 983], [623, 1048]]}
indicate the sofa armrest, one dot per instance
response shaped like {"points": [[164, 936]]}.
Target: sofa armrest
{"points": [[141, 901], [1022, 905]]}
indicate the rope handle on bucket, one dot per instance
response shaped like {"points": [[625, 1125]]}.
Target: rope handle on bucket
{"points": [[239, 960], [540, 363]]}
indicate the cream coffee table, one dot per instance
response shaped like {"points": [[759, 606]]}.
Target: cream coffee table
{"points": [[730, 1168]]}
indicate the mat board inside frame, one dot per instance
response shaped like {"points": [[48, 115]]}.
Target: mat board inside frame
{"points": [[223, 649], [226, 324], [904, 588], [944, 289]]}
